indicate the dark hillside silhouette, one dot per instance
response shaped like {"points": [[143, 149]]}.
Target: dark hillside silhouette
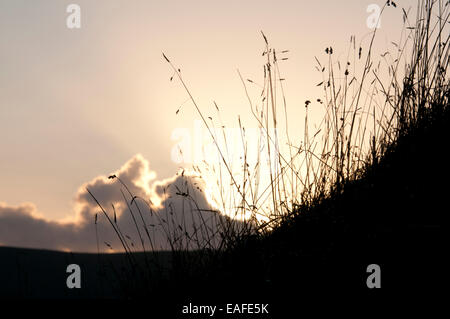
{"points": [[392, 216]]}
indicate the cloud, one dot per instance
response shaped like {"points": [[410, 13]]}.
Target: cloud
{"points": [[163, 214]]}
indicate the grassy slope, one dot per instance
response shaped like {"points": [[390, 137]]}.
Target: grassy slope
{"points": [[391, 216]]}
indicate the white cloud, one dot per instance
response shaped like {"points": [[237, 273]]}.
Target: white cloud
{"points": [[170, 209]]}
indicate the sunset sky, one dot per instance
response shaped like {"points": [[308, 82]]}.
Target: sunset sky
{"points": [[76, 104]]}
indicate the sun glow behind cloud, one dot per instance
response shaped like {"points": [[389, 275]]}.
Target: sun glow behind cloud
{"points": [[23, 226]]}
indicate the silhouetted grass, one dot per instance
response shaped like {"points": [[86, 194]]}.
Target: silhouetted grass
{"points": [[338, 195]]}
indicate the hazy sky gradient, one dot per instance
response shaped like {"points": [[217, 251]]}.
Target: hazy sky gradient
{"points": [[76, 104]]}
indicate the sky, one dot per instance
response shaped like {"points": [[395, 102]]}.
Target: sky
{"points": [[78, 104]]}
